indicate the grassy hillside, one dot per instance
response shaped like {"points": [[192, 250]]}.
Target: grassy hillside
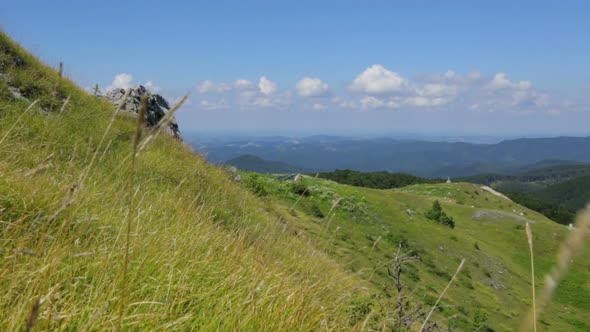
{"points": [[203, 254], [362, 228]]}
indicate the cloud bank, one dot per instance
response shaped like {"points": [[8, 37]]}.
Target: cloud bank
{"points": [[375, 88]]}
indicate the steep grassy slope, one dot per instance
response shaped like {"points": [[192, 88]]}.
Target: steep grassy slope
{"points": [[204, 254], [367, 225]]}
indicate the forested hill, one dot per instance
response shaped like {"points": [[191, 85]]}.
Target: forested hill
{"points": [[558, 191], [251, 163], [377, 180]]}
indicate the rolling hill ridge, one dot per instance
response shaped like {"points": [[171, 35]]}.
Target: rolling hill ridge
{"points": [[420, 158]]}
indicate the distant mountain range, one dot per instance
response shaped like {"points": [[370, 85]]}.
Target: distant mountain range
{"points": [[420, 158], [251, 163]]}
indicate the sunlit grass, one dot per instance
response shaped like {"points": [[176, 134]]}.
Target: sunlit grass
{"points": [[202, 253]]}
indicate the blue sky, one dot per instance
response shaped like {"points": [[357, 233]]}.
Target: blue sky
{"points": [[455, 67]]}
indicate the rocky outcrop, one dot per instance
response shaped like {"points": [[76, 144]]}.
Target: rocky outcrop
{"points": [[17, 61], [156, 109]]}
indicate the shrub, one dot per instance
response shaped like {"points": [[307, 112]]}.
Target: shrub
{"points": [[437, 214], [446, 220], [396, 239], [479, 321], [315, 211], [359, 310], [300, 189], [255, 183]]}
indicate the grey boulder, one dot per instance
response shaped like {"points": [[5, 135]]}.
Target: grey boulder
{"points": [[156, 109]]}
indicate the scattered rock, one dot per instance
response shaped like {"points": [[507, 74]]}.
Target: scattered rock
{"points": [[495, 285], [238, 178], [410, 212], [157, 106], [18, 61], [493, 215], [298, 178], [232, 169], [15, 93]]}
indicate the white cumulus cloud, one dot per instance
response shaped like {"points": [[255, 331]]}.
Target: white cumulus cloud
{"points": [[213, 105], [152, 87], [311, 87], [501, 81], [437, 89], [125, 81], [121, 81], [242, 84], [378, 80], [370, 102], [420, 101], [318, 107], [266, 86], [212, 87]]}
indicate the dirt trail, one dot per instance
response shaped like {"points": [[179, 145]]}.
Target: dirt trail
{"points": [[495, 193]]}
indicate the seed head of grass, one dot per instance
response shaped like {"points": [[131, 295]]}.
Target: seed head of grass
{"points": [[570, 247]]}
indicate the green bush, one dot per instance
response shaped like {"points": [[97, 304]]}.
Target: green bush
{"points": [[255, 183], [437, 214], [359, 310], [316, 211], [396, 239], [299, 188]]}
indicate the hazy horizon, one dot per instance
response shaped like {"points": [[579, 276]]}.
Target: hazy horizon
{"points": [[207, 136]]}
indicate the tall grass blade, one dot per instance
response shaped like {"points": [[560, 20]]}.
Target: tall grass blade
{"points": [[572, 246], [442, 294], [529, 235], [33, 315], [30, 107], [164, 122], [136, 138]]}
